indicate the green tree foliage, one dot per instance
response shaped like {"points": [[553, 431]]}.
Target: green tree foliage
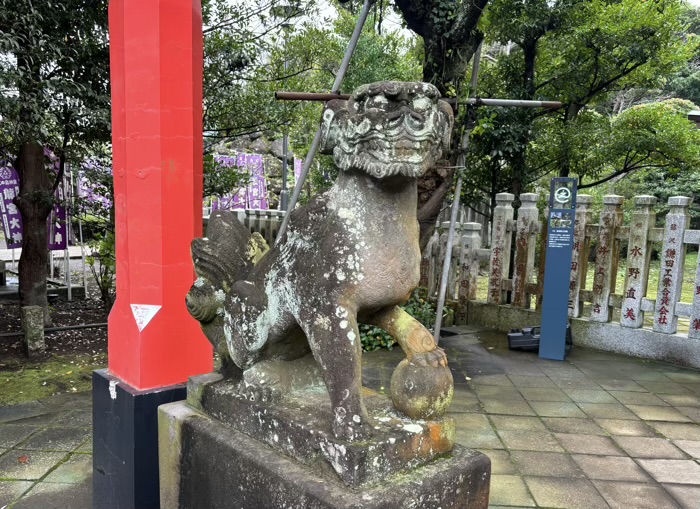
{"points": [[290, 51], [580, 53], [54, 92]]}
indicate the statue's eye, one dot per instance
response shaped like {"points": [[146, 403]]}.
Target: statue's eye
{"points": [[421, 104], [376, 102]]}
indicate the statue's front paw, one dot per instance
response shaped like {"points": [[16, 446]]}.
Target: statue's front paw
{"points": [[433, 358]]}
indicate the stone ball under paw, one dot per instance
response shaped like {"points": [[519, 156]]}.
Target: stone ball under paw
{"points": [[421, 392]]}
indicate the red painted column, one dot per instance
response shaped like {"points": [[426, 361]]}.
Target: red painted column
{"points": [[156, 71]]}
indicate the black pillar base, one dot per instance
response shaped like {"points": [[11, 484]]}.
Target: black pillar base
{"points": [[125, 442]]}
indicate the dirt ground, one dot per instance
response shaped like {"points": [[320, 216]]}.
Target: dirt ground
{"points": [[70, 355]]}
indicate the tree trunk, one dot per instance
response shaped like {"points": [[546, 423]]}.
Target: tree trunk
{"points": [[572, 112], [34, 202]]}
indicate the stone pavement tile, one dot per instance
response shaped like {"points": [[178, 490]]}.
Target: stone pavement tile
{"points": [[691, 447], [530, 441], [569, 383], [57, 439], [607, 411], [692, 377], [626, 427], [488, 392], [658, 413], [42, 420], [693, 388], [664, 387], [28, 465], [11, 491], [637, 398], [507, 407], [589, 396], [531, 381], [517, 423], [556, 409], [673, 471], [509, 490], [543, 394], [496, 380], [86, 448], [13, 413], [649, 447], [620, 385], [57, 496], [501, 462], [625, 495], [610, 468], [69, 401], [687, 496], [565, 493], [563, 371], [464, 401], [76, 418], [588, 444], [545, 464], [472, 421], [677, 430], [11, 434], [681, 399], [572, 425], [641, 375], [478, 438], [77, 469], [692, 412]]}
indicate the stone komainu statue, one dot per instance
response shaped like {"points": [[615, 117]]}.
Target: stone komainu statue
{"points": [[351, 255]]}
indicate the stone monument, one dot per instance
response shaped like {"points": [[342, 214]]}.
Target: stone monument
{"points": [[286, 421]]}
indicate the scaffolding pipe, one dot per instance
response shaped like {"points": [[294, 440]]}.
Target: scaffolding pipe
{"points": [[474, 101]]}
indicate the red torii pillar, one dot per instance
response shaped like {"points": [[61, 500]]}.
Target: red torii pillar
{"points": [[154, 345]]}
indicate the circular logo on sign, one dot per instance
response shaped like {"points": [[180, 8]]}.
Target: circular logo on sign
{"points": [[5, 173], [562, 195]]}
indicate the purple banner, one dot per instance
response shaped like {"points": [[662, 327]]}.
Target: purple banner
{"points": [[11, 218], [58, 224], [253, 196]]}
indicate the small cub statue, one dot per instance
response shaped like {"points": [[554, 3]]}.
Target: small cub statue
{"points": [[350, 256]]}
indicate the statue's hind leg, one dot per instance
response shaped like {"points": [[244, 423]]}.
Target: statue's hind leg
{"points": [[245, 323], [335, 342]]}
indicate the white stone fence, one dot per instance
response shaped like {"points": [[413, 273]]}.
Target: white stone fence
{"points": [[515, 280]]}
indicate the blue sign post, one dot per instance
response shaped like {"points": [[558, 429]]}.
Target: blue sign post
{"points": [[557, 270]]}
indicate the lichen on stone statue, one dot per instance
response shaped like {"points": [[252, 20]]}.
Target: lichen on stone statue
{"points": [[350, 256]]}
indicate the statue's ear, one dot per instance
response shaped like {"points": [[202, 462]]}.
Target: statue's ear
{"points": [[333, 120], [447, 120]]}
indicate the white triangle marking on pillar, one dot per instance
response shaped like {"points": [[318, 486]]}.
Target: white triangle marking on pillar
{"points": [[143, 314]]}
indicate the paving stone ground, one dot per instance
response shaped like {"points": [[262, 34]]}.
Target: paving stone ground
{"points": [[598, 430]]}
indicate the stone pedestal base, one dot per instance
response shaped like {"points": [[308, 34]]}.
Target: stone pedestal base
{"points": [[206, 463]]}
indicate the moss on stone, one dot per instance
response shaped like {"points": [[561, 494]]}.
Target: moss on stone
{"points": [[23, 381]]}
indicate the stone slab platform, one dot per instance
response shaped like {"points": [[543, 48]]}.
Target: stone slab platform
{"points": [[296, 423], [205, 463]]}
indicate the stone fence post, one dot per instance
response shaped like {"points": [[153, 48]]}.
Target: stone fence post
{"points": [[672, 260], [428, 262], [524, 263], [638, 258], [500, 247], [579, 260], [606, 258], [453, 274], [468, 268]]}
